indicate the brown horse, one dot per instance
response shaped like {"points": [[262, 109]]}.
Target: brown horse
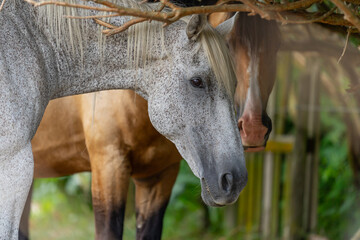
{"points": [[254, 43], [111, 135]]}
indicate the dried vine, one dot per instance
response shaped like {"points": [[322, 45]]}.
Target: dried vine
{"points": [[286, 13]]}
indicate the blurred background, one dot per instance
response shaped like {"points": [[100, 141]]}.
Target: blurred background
{"points": [[304, 186]]}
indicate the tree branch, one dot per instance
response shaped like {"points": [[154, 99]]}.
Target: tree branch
{"points": [[2, 5], [345, 46], [105, 24], [64, 4], [348, 14], [312, 20], [292, 12], [125, 26], [92, 17]]}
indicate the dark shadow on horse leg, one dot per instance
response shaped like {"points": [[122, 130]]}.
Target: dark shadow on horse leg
{"points": [[22, 236], [24, 222], [151, 228], [110, 181], [152, 196]]}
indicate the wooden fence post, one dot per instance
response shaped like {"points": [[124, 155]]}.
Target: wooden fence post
{"points": [[304, 154], [273, 160], [268, 173]]}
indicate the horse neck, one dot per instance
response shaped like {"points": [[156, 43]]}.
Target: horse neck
{"points": [[109, 66], [98, 67], [93, 65]]}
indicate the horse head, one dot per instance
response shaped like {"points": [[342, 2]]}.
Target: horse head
{"points": [[254, 43], [191, 103]]}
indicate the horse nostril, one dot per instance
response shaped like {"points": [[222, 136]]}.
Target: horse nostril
{"points": [[266, 121], [240, 125], [227, 182]]}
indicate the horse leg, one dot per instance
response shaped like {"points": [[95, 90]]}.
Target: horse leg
{"points": [[24, 222], [152, 196], [110, 181], [16, 173]]}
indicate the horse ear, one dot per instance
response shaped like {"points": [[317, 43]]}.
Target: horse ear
{"points": [[226, 27], [195, 26]]}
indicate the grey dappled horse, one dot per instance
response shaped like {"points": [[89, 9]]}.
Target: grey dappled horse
{"points": [[184, 71]]}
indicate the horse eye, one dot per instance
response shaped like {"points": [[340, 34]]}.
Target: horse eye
{"points": [[197, 82]]}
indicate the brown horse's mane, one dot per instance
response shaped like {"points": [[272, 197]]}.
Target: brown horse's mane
{"points": [[256, 33]]}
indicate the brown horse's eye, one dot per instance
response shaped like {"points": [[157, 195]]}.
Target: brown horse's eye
{"points": [[197, 82]]}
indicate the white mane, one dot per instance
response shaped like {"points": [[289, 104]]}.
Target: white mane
{"points": [[141, 37]]}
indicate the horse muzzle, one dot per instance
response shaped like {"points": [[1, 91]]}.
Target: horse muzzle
{"points": [[224, 190], [254, 132]]}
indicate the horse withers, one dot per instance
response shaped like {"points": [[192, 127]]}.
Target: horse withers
{"points": [[110, 134], [189, 96]]}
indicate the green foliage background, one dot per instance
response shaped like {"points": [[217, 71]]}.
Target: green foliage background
{"points": [[339, 205]]}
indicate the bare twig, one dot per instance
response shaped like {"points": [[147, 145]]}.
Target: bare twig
{"points": [[105, 24], [345, 46], [125, 26], [298, 17], [348, 14], [291, 5], [64, 4], [282, 19], [2, 5], [92, 17], [317, 19], [169, 4], [256, 9], [161, 7]]}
